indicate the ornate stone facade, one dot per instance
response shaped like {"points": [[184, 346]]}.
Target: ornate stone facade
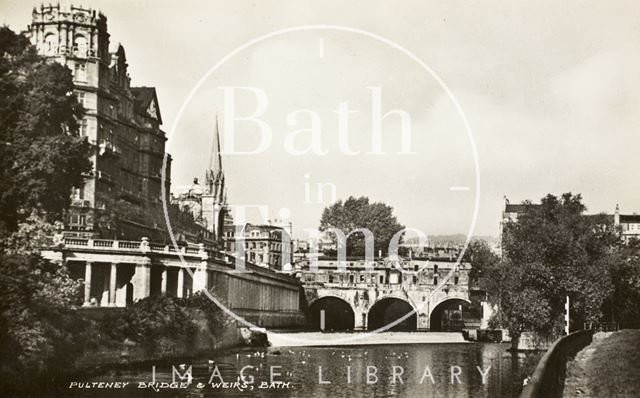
{"points": [[122, 122]]}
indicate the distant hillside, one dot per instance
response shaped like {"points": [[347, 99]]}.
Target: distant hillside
{"points": [[456, 239]]}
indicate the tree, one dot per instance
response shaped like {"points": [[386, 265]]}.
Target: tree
{"points": [[624, 304], [38, 326], [481, 258], [554, 251], [42, 157], [355, 213]]}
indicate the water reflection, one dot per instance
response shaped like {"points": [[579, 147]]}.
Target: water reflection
{"points": [[428, 370]]}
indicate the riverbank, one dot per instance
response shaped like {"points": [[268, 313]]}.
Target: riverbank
{"points": [[608, 367], [317, 339]]}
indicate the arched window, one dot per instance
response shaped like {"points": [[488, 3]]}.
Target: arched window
{"points": [[80, 46], [51, 43]]}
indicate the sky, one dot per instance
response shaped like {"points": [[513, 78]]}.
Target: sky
{"points": [[550, 91]]}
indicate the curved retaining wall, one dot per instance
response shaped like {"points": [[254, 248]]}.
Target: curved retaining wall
{"points": [[548, 379]]}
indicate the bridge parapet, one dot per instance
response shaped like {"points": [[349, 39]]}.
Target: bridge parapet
{"points": [[189, 253]]}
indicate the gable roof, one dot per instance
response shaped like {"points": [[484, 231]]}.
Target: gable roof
{"points": [[143, 97]]}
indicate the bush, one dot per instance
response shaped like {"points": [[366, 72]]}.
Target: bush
{"points": [[39, 329], [153, 319]]}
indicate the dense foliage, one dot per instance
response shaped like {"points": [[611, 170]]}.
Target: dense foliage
{"points": [[554, 250], [39, 330], [482, 258], [624, 304], [152, 319], [41, 154], [355, 213], [41, 159]]}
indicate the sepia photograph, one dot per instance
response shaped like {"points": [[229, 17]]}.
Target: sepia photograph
{"points": [[344, 199]]}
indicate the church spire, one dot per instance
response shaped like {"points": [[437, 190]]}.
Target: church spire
{"points": [[215, 175], [216, 155]]}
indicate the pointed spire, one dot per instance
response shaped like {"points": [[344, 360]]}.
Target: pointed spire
{"points": [[215, 164]]}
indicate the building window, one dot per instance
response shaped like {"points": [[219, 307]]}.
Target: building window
{"points": [[84, 128], [361, 278], [80, 72], [81, 98], [435, 268], [83, 220], [80, 46], [352, 278], [456, 279], [50, 43], [382, 279]]}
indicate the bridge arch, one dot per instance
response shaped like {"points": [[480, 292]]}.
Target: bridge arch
{"points": [[446, 315], [389, 309], [338, 314]]}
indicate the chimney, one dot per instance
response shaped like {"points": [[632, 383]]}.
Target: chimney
{"points": [[616, 216]]}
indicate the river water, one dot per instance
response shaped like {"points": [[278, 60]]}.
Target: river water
{"points": [[421, 370]]}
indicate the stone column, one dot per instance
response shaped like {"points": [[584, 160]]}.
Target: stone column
{"points": [[112, 284], [104, 295], [62, 39], [163, 282], [360, 320], [142, 281], [87, 284], [200, 278], [180, 288], [422, 316]]}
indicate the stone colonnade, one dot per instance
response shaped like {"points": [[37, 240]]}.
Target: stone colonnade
{"points": [[120, 284]]}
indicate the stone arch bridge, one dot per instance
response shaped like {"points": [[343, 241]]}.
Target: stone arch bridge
{"points": [[356, 298]]}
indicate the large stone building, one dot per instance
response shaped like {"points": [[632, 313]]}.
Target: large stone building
{"points": [[268, 245], [122, 122]]}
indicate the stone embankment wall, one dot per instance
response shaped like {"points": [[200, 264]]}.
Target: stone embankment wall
{"points": [[548, 379]]}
